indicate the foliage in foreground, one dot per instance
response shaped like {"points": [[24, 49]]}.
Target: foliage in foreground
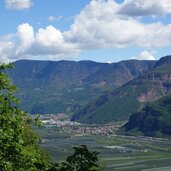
{"points": [[19, 149], [18, 142], [81, 160]]}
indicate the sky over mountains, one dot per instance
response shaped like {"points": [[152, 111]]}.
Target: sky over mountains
{"points": [[100, 30]]}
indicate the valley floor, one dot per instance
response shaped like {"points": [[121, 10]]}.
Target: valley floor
{"points": [[117, 153]]}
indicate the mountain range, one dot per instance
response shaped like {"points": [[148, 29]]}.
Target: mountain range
{"points": [[47, 87]]}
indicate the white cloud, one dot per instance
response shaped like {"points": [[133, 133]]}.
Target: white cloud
{"points": [[18, 4], [27, 44], [145, 55], [55, 18], [99, 26], [49, 37], [6, 50], [25, 34], [145, 7], [50, 41]]}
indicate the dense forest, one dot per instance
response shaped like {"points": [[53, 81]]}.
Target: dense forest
{"points": [[153, 120]]}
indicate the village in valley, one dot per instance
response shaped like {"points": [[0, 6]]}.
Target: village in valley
{"points": [[78, 129]]}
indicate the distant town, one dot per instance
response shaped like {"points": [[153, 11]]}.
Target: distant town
{"points": [[63, 121]]}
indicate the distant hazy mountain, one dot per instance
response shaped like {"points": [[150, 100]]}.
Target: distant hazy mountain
{"points": [[153, 120], [131, 97], [66, 86]]}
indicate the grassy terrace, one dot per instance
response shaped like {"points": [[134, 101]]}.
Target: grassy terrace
{"points": [[118, 153]]}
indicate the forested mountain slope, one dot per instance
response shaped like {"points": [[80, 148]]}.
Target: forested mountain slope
{"points": [[153, 120], [131, 97]]}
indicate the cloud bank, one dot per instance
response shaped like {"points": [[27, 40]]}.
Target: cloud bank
{"points": [[145, 7], [101, 24]]}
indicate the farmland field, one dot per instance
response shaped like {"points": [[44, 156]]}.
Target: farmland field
{"points": [[117, 153]]}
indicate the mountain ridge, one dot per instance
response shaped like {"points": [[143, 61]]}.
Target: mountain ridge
{"points": [[66, 86]]}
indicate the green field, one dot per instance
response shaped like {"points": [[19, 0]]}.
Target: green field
{"points": [[117, 153]]}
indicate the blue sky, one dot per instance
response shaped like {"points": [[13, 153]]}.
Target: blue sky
{"points": [[99, 30]]}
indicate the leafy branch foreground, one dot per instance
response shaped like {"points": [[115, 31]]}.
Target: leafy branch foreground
{"points": [[19, 144], [81, 160]]}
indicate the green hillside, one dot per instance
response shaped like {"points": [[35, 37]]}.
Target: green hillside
{"points": [[153, 120], [129, 98], [66, 86]]}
